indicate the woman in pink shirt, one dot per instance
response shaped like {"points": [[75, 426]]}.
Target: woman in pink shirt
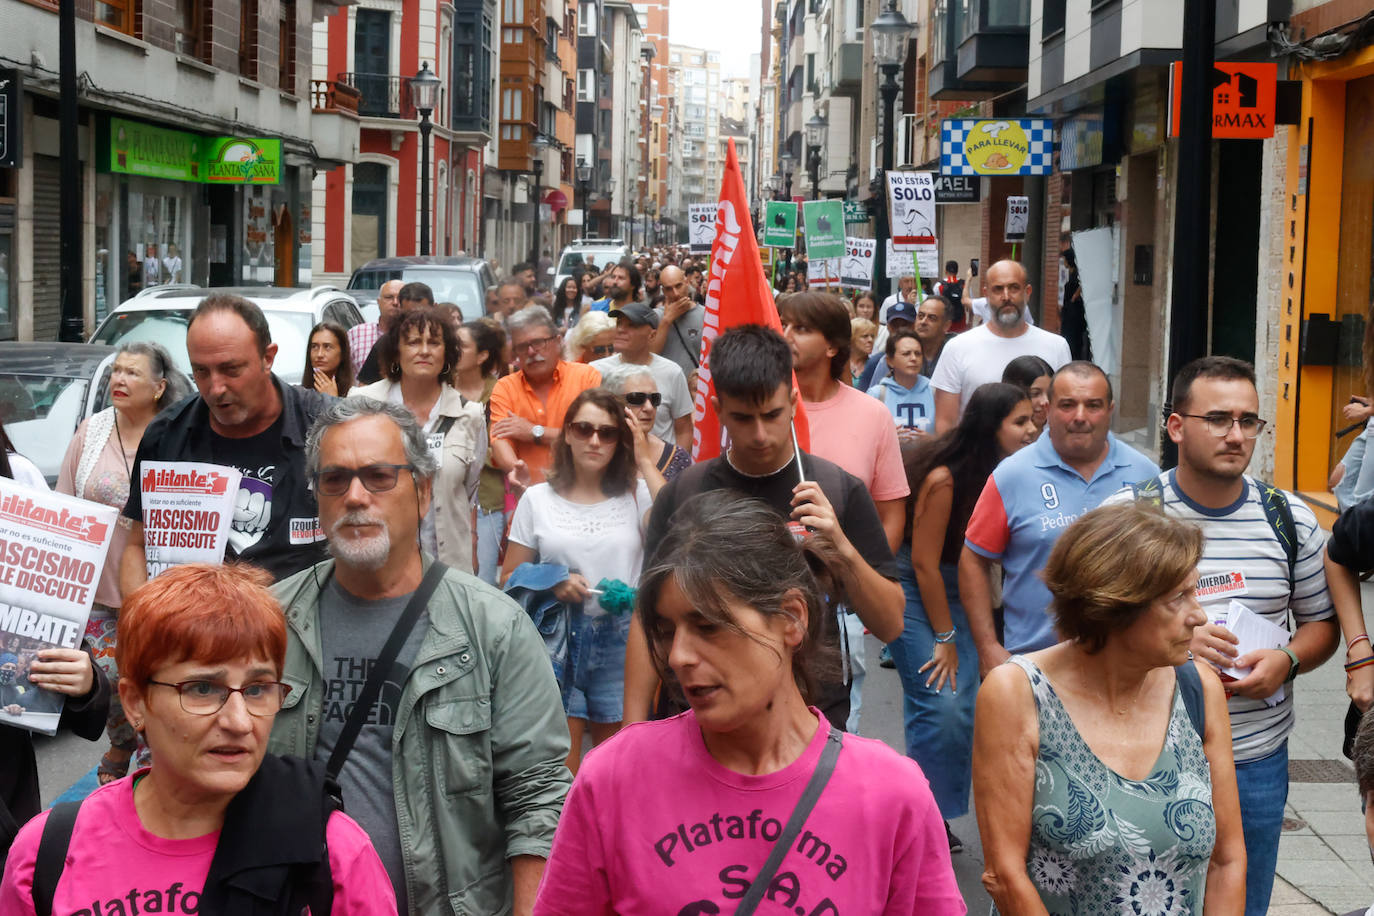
{"points": [[693, 814], [214, 826]]}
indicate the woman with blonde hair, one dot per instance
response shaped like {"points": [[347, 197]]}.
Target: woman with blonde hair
{"points": [[862, 334], [592, 338]]}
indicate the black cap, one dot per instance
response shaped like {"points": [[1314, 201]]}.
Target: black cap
{"points": [[636, 313]]}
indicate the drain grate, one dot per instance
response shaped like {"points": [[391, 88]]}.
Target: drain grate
{"points": [[1319, 771]]}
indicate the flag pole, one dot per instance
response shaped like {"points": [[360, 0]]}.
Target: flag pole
{"points": [[801, 472]]}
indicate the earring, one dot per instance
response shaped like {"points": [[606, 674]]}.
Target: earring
{"points": [[395, 368]]}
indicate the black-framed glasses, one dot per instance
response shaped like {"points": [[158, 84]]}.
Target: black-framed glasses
{"points": [[1220, 423], [205, 698], [530, 346], [376, 478], [583, 430], [637, 398]]}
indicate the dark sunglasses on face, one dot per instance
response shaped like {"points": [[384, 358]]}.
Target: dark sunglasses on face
{"points": [[637, 398], [604, 350], [584, 431], [376, 478]]}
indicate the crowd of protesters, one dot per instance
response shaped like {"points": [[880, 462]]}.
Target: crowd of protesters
{"points": [[490, 640]]}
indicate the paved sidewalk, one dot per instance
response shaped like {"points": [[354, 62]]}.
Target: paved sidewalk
{"points": [[1324, 854]]}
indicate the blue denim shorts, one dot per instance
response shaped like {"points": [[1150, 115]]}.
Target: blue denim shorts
{"points": [[597, 658]]}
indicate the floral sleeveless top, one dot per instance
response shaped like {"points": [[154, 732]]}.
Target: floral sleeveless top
{"points": [[1104, 844]]}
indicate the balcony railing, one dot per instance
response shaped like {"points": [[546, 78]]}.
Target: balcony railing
{"points": [[382, 96], [333, 96]]}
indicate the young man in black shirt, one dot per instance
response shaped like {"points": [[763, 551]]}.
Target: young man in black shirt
{"points": [[751, 367]]}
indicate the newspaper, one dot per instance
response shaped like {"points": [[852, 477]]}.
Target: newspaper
{"points": [[188, 507], [52, 550]]}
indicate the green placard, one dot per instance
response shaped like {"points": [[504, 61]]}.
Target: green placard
{"points": [[156, 152], [824, 228], [855, 212], [780, 224], [243, 160]]}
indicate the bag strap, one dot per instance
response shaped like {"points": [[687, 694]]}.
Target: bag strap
{"points": [[696, 364], [52, 855], [819, 777], [1279, 515], [362, 707], [1190, 688], [445, 424]]}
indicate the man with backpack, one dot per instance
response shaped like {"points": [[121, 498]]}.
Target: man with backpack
{"points": [[1264, 550], [952, 288]]}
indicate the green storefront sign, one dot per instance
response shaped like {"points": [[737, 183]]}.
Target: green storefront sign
{"points": [[160, 152]]}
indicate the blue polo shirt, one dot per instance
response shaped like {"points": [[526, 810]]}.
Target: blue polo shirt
{"points": [[1026, 504]]}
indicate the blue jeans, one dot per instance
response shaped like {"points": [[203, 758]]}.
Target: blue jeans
{"points": [[939, 726], [596, 655], [1263, 786], [491, 527]]}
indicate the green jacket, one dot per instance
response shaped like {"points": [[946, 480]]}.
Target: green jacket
{"points": [[479, 747]]}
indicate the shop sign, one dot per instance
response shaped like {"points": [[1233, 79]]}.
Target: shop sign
{"points": [[1080, 142], [11, 119], [855, 212], [234, 160], [1244, 99], [1005, 146], [155, 152], [958, 189]]}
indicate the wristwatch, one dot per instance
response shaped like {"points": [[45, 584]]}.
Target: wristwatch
{"points": [[538, 433], [1293, 664]]}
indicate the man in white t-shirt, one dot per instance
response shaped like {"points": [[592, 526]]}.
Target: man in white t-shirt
{"points": [[635, 324], [978, 356]]}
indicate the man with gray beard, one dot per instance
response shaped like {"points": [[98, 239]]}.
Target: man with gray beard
{"points": [[457, 773], [978, 356]]}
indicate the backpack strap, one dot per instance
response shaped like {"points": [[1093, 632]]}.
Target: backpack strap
{"points": [[52, 855], [1190, 688], [1279, 514], [445, 424]]}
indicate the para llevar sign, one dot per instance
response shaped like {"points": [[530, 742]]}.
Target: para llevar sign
{"points": [[1243, 99]]}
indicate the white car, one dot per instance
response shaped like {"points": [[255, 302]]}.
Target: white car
{"points": [[161, 314], [601, 251]]}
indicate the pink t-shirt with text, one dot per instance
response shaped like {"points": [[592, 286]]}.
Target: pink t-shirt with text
{"points": [[856, 432], [654, 824], [114, 865]]}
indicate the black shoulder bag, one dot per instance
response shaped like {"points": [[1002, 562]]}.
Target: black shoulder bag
{"points": [[819, 777]]}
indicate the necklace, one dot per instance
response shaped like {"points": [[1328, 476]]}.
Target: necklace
{"points": [[128, 471]]}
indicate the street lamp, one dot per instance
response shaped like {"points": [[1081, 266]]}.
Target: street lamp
{"points": [[815, 141], [424, 92], [610, 209], [540, 145], [584, 178], [891, 35], [787, 161]]}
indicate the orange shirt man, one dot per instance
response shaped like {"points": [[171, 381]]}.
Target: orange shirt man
{"points": [[527, 407]]}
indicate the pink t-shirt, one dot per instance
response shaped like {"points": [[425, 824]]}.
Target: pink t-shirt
{"points": [[114, 865], [856, 432], [654, 824]]}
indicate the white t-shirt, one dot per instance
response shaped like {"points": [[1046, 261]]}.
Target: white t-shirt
{"points": [[978, 356], [979, 307], [672, 384], [601, 541]]}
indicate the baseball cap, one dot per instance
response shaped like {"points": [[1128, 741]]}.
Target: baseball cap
{"points": [[637, 313], [903, 310]]}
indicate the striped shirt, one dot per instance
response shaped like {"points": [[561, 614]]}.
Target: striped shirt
{"points": [[361, 339], [1242, 559]]}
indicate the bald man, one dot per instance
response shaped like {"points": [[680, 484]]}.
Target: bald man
{"points": [[678, 336], [978, 356], [363, 337]]}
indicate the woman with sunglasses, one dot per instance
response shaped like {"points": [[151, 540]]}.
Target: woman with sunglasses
{"points": [[592, 338], [214, 825], [421, 356], [589, 516], [659, 461]]}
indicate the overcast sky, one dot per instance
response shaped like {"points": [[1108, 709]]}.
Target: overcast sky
{"points": [[732, 27]]}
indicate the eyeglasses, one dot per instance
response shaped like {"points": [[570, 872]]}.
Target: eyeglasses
{"points": [[1220, 424], [530, 346], [376, 478], [584, 431], [205, 698], [603, 350], [637, 398]]}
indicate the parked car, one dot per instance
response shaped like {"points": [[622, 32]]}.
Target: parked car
{"points": [[461, 280], [162, 317], [47, 389], [574, 257]]}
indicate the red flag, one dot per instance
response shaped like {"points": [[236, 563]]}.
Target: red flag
{"points": [[737, 292]]}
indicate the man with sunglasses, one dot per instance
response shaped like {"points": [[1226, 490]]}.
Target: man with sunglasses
{"points": [[462, 803], [1264, 549], [635, 324], [527, 407]]}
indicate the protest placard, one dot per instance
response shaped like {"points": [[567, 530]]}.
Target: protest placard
{"points": [[824, 228], [187, 509], [856, 268], [52, 549], [701, 227], [911, 202], [823, 273], [900, 264], [780, 224], [1018, 218]]}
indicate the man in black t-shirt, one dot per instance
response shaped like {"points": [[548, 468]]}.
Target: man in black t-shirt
{"points": [[751, 367], [245, 418]]}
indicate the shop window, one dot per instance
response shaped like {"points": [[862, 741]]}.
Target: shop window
{"points": [[286, 46], [248, 39], [119, 15]]}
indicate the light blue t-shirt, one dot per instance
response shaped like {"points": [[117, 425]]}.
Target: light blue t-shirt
{"points": [[911, 407], [1029, 500]]}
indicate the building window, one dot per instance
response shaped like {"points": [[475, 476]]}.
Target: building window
{"points": [[115, 14], [248, 39], [472, 67], [512, 105], [371, 196], [1053, 21], [586, 86], [286, 46], [515, 11], [586, 19], [192, 15]]}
